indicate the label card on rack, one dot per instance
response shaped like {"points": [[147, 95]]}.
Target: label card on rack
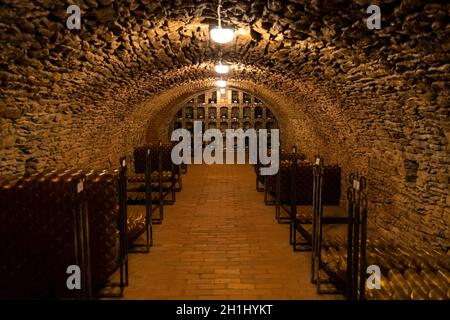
{"points": [[356, 184], [80, 186]]}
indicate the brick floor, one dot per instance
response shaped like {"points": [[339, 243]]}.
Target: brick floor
{"points": [[219, 241]]}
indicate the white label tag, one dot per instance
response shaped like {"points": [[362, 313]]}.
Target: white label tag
{"points": [[80, 186], [124, 163], [317, 161], [356, 184]]}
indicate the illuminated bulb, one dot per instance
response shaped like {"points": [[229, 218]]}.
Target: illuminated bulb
{"points": [[223, 91], [222, 35], [221, 83], [222, 69]]}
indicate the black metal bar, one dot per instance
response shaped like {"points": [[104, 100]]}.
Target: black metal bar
{"points": [[350, 213], [178, 182], [341, 285], [316, 173], [123, 235], [319, 253], [286, 209], [77, 189], [363, 236], [314, 232], [172, 188], [306, 245], [293, 202], [148, 198], [148, 230], [354, 283], [295, 223], [258, 174], [86, 256], [124, 213], [81, 236], [161, 198], [363, 262], [267, 194], [278, 195]]}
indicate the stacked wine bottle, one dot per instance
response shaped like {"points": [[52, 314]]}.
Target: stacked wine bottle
{"points": [[409, 273], [406, 273], [334, 256]]}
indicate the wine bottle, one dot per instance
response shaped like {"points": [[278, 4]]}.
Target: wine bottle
{"points": [[433, 280], [384, 261], [412, 276], [385, 284], [379, 294], [417, 294], [437, 294], [397, 280], [399, 294], [419, 289], [444, 275]]}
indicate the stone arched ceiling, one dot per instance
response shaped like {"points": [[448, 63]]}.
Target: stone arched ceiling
{"points": [[161, 114], [377, 97], [159, 125]]}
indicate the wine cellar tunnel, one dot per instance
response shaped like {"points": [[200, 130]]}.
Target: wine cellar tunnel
{"points": [[374, 102]]}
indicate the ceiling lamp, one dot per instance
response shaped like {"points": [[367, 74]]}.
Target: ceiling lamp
{"points": [[219, 34], [222, 35], [221, 83], [222, 69], [223, 91]]}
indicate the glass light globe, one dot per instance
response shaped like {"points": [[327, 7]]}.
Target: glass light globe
{"points": [[222, 35], [222, 69], [223, 91], [221, 83]]}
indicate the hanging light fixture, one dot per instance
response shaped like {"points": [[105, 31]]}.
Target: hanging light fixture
{"points": [[219, 34], [223, 90], [221, 83], [222, 68], [222, 35]]}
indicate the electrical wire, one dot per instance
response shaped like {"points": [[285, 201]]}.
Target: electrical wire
{"points": [[219, 18]]}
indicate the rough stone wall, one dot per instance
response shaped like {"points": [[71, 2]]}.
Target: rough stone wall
{"points": [[373, 100]]}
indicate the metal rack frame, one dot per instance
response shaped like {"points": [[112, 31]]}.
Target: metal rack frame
{"points": [[267, 194], [353, 285], [319, 220], [179, 181], [296, 225], [258, 180], [123, 237], [75, 187], [358, 215], [81, 235], [148, 202]]}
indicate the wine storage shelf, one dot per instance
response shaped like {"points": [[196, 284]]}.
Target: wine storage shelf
{"points": [[233, 110]]}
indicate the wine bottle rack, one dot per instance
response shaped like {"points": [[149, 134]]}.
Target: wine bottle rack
{"points": [[233, 110]]}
